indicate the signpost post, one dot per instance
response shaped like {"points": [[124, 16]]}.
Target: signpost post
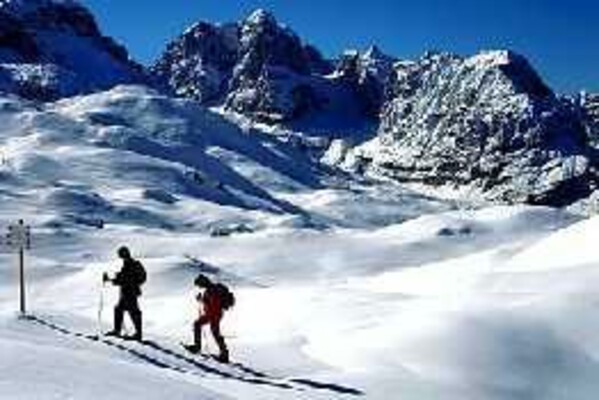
{"points": [[19, 237]]}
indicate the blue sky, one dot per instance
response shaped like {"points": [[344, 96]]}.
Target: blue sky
{"points": [[560, 37]]}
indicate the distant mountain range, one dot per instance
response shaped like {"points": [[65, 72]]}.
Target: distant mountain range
{"points": [[487, 123]]}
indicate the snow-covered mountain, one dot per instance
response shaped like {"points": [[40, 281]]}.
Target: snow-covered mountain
{"points": [[51, 49], [263, 70], [487, 122], [167, 149], [217, 62]]}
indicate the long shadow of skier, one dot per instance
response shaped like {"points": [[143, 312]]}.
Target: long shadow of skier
{"points": [[253, 376], [153, 360]]}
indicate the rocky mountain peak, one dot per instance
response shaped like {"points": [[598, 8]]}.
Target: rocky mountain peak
{"points": [[378, 63], [199, 62], [487, 122], [515, 67], [373, 52], [256, 66], [265, 42], [260, 18]]}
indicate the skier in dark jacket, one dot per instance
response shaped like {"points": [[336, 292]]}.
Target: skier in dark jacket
{"points": [[210, 314], [129, 279]]}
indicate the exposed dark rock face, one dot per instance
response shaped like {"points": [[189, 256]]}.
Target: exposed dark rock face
{"points": [[270, 80], [16, 45], [590, 115], [368, 74]]}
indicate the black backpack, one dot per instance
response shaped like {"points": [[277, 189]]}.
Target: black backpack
{"points": [[227, 298], [141, 275]]}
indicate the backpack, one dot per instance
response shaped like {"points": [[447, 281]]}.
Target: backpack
{"points": [[141, 275], [227, 298]]}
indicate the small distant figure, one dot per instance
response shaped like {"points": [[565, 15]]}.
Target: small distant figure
{"points": [[216, 299], [129, 279]]}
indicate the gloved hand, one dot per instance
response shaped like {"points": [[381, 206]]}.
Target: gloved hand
{"points": [[105, 277]]}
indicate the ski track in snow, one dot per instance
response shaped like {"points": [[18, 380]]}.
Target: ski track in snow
{"points": [[151, 352]]}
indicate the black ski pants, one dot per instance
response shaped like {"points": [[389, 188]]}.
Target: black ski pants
{"points": [[130, 305]]}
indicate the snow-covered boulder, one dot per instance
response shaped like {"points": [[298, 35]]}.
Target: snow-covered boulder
{"points": [[487, 121], [51, 49]]}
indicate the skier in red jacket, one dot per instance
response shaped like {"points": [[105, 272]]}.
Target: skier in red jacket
{"points": [[210, 314]]}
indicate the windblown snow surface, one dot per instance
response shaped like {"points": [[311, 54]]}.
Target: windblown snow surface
{"points": [[344, 289]]}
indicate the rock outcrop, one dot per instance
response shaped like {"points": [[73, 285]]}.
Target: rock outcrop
{"points": [[590, 115], [369, 75]]}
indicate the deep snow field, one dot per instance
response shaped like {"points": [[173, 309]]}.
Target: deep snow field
{"points": [[345, 289]]}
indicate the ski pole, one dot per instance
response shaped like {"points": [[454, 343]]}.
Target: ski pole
{"points": [[205, 338], [101, 306]]}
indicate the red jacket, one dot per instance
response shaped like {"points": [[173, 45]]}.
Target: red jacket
{"points": [[213, 309]]}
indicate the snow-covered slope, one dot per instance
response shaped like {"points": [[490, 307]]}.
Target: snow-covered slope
{"points": [[454, 305], [177, 150], [132, 166], [51, 49], [46, 365], [344, 289], [133, 156], [487, 122]]}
